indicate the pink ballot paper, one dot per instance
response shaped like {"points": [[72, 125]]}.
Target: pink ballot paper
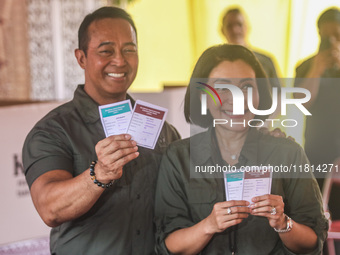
{"points": [[146, 123], [244, 185]]}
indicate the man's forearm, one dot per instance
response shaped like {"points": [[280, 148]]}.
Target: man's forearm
{"points": [[59, 197]]}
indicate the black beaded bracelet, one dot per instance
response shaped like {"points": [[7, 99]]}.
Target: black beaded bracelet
{"points": [[93, 177]]}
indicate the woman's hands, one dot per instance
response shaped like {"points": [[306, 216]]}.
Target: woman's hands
{"points": [[193, 239], [226, 214], [271, 207], [301, 238], [230, 213]]}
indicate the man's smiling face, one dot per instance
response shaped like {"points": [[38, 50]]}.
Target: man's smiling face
{"points": [[111, 60]]}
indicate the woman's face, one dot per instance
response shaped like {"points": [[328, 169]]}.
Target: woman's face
{"points": [[240, 74]]}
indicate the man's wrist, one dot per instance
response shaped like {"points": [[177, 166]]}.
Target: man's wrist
{"points": [[93, 177]]}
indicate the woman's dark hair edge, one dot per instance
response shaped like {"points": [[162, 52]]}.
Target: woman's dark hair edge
{"points": [[209, 59]]}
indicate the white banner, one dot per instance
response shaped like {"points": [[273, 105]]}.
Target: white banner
{"points": [[19, 220]]}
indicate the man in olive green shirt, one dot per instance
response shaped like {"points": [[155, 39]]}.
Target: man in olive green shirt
{"points": [[105, 206]]}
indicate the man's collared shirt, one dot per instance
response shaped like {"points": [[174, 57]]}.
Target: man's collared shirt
{"points": [[120, 222]]}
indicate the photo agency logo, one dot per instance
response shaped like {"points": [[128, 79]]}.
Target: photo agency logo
{"points": [[239, 99]]}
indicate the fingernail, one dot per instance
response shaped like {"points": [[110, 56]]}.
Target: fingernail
{"points": [[127, 136]]}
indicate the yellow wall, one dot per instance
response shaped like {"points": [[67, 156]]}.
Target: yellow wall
{"points": [[172, 34], [165, 43]]}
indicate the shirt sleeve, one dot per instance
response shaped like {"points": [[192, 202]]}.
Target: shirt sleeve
{"points": [[305, 202], [44, 151], [301, 72], [171, 206]]}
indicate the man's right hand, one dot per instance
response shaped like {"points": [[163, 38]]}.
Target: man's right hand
{"points": [[335, 53], [59, 196], [322, 61], [113, 153]]}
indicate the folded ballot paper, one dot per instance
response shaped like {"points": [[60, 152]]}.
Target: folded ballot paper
{"points": [[244, 185], [144, 123]]}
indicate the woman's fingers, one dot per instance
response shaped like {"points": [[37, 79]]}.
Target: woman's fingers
{"points": [[227, 214], [271, 207]]}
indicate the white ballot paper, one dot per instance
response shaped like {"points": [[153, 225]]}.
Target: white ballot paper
{"points": [[115, 117], [244, 185], [146, 123], [233, 185]]}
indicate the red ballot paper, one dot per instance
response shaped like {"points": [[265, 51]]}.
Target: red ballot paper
{"points": [[146, 123]]}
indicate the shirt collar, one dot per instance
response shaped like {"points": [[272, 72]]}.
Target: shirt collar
{"points": [[87, 107], [201, 147], [204, 148], [250, 150]]}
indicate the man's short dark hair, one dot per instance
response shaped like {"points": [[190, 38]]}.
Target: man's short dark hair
{"points": [[210, 59], [229, 11], [330, 15], [101, 13]]}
